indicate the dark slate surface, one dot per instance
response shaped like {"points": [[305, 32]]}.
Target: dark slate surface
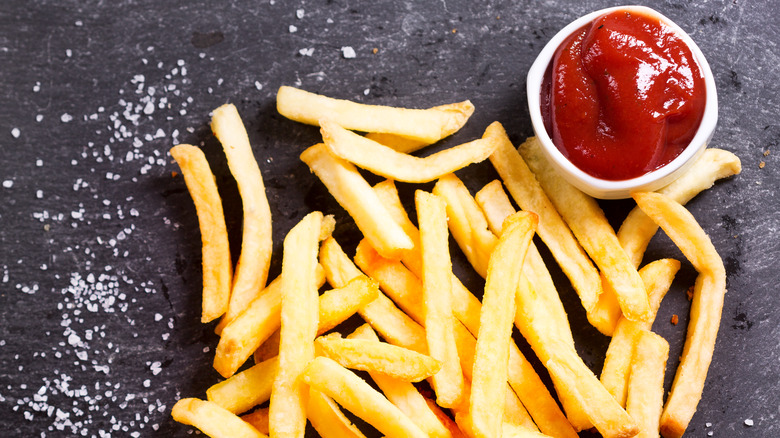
{"points": [[99, 245]]}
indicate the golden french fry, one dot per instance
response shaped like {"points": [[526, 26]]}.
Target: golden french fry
{"points": [[427, 125], [299, 320], [354, 394], [657, 277], [393, 324], [404, 395], [353, 193], [383, 160], [466, 307], [637, 229], [486, 405], [528, 194], [646, 385], [256, 238], [212, 419], [706, 307], [579, 384], [406, 289], [268, 349], [466, 222], [397, 143], [437, 297], [208, 205], [509, 430], [245, 390], [327, 418], [336, 305], [390, 360], [253, 328], [248, 331], [588, 223], [258, 419], [495, 204]]}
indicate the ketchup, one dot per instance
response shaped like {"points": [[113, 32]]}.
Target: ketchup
{"points": [[623, 96]]}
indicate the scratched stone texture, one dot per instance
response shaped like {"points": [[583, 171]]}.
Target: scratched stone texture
{"points": [[99, 243]]}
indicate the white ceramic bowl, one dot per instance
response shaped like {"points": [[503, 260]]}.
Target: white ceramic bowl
{"points": [[609, 189]]}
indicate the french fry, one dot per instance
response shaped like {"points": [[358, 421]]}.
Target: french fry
{"points": [[383, 160], [646, 385], [217, 267], [437, 297], [406, 289], [522, 377], [353, 193], [212, 419], [657, 277], [528, 194], [327, 418], [299, 320], [428, 125], [354, 394], [253, 328], [365, 355], [588, 223], [393, 324], [466, 222], [248, 331], [637, 229], [258, 419], [706, 307], [257, 240], [486, 405], [495, 204], [336, 305], [245, 390], [532, 318], [397, 143], [404, 395], [509, 430], [607, 416]]}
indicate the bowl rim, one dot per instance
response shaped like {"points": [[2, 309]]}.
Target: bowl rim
{"points": [[614, 189]]}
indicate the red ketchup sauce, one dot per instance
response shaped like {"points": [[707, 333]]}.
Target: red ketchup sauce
{"points": [[623, 96]]}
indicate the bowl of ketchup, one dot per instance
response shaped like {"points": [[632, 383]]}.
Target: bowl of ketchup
{"points": [[622, 100]]}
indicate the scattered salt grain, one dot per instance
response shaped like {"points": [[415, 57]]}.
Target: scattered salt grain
{"points": [[348, 52], [299, 13], [68, 53], [16, 132], [366, 91], [65, 118], [37, 87], [306, 52], [258, 85], [39, 118], [293, 29], [8, 184], [39, 194], [749, 422]]}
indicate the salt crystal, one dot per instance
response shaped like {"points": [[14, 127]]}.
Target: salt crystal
{"points": [[39, 194], [68, 53], [66, 118], [39, 163], [299, 13], [8, 184], [258, 85], [38, 118], [306, 52], [16, 132], [149, 108], [292, 29], [749, 422], [348, 52], [37, 87]]}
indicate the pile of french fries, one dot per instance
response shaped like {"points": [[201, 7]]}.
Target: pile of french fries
{"points": [[421, 322]]}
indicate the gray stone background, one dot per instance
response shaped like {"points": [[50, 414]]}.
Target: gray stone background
{"points": [[99, 244]]}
